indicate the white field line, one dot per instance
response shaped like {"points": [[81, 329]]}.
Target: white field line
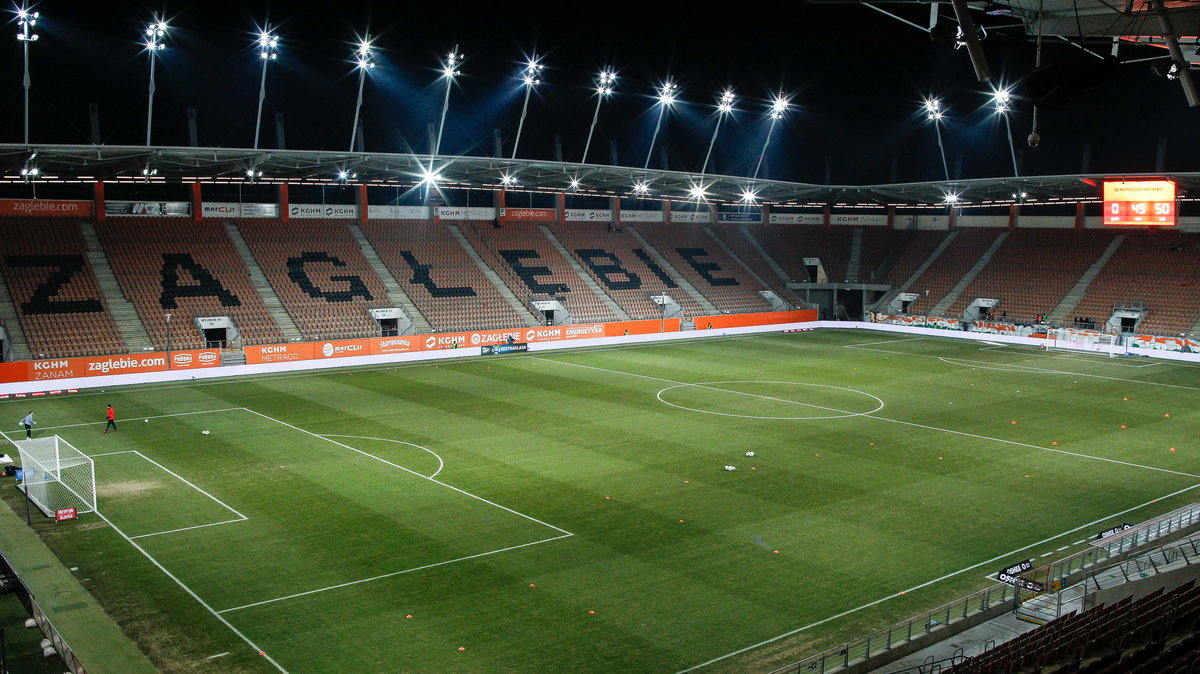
{"points": [[1013, 367], [392, 574], [183, 480], [96, 456], [198, 526], [411, 472], [888, 341], [898, 421], [192, 594], [156, 416], [441, 464], [931, 582], [218, 655]]}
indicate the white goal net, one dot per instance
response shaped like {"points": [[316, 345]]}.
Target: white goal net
{"points": [[55, 475], [1068, 339]]}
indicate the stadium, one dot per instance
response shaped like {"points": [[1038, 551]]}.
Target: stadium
{"points": [[483, 350]]}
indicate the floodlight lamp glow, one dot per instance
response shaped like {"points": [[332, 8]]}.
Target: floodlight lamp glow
{"points": [[779, 105], [749, 196], [507, 179], [574, 183], [342, 175], [950, 198], [696, 191], [666, 93], [429, 177], [725, 101], [1002, 99], [605, 91], [607, 78], [640, 188]]}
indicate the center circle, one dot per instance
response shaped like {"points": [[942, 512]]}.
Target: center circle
{"points": [[824, 401]]}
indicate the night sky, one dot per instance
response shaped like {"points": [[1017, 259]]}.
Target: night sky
{"points": [[855, 77]]}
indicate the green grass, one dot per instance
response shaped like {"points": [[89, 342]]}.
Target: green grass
{"points": [[581, 481]]}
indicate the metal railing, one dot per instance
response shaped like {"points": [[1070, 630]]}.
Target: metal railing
{"points": [[25, 595], [839, 657]]}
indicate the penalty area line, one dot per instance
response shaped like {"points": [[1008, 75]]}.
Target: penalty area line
{"points": [[931, 582], [392, 574]]}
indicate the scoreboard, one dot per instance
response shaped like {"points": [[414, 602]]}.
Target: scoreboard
{"points": [[1140, 203]]}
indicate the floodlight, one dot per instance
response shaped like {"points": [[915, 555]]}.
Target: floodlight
{"points": [[933, 109], [950, 198], [268, 51], [364, 56], [450, 66], [364, 60], [696, 191], [25, 22], [30, 172], [430, 176], [725, 102], [779, 105], [449, 72], [667, 93], [530, 79], [507, 179], [156, 33], [641, 187], [343, 174], [934, 112], [749, 196], [574, 183], [606, 85], [1002, 99]]}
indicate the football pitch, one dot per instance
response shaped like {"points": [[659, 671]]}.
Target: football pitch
{"points": [[571, 511]]}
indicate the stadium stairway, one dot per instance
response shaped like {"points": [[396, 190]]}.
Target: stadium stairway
{"points": [[287, 327], [948, 301], [18, 345], [855, 262], [584, 276], [122, 311], [683, 283], [912, 278], [395, 293], [491, 275], [1076, 294]]}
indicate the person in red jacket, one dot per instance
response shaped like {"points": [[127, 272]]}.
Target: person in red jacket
{"points": [[111, 416]]}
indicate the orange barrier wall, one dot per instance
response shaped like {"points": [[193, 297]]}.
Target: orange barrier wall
{"points": [[95, 366], [746, 320], [340, 348]]}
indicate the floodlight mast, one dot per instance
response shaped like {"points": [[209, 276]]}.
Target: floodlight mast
{"points": [[26, 20], [268, 51], [155, 33], [934, 113], [724, 107], [779, 106], [605, 85], [530, 78], [1002, 99], [449, 71], [363, 61], [666, 98]]}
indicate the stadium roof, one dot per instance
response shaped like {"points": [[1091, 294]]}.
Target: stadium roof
{"points": [[74, 163]]}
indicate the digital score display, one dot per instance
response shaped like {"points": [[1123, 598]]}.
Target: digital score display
{"points": [[1139, 203]]}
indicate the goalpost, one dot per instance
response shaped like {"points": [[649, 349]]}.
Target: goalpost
{"points": [[55, 475], [1088, 341]]}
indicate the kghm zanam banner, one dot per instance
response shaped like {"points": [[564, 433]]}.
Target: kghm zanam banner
{"points": [[95, 366]]}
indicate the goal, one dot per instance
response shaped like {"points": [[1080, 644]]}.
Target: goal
{"points": [[1091, 341], [55, 475]]}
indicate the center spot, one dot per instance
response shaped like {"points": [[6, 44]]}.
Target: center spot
{"points": [[783, 400]]}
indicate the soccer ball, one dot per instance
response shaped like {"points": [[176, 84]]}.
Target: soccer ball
{"points": [[749, 453], [204, 432], [730, 467], [146, 420]]}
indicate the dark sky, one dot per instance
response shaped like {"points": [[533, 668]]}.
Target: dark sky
{"points": [[856, 79]]}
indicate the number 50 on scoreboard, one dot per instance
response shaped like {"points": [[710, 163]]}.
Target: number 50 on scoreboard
{"points": [[1140, 203]]}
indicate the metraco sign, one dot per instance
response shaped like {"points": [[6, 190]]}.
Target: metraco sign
{"points": [[95, 366], [44, 207], [527, 214], [641, 216], [278, 353], [456, 213]]}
